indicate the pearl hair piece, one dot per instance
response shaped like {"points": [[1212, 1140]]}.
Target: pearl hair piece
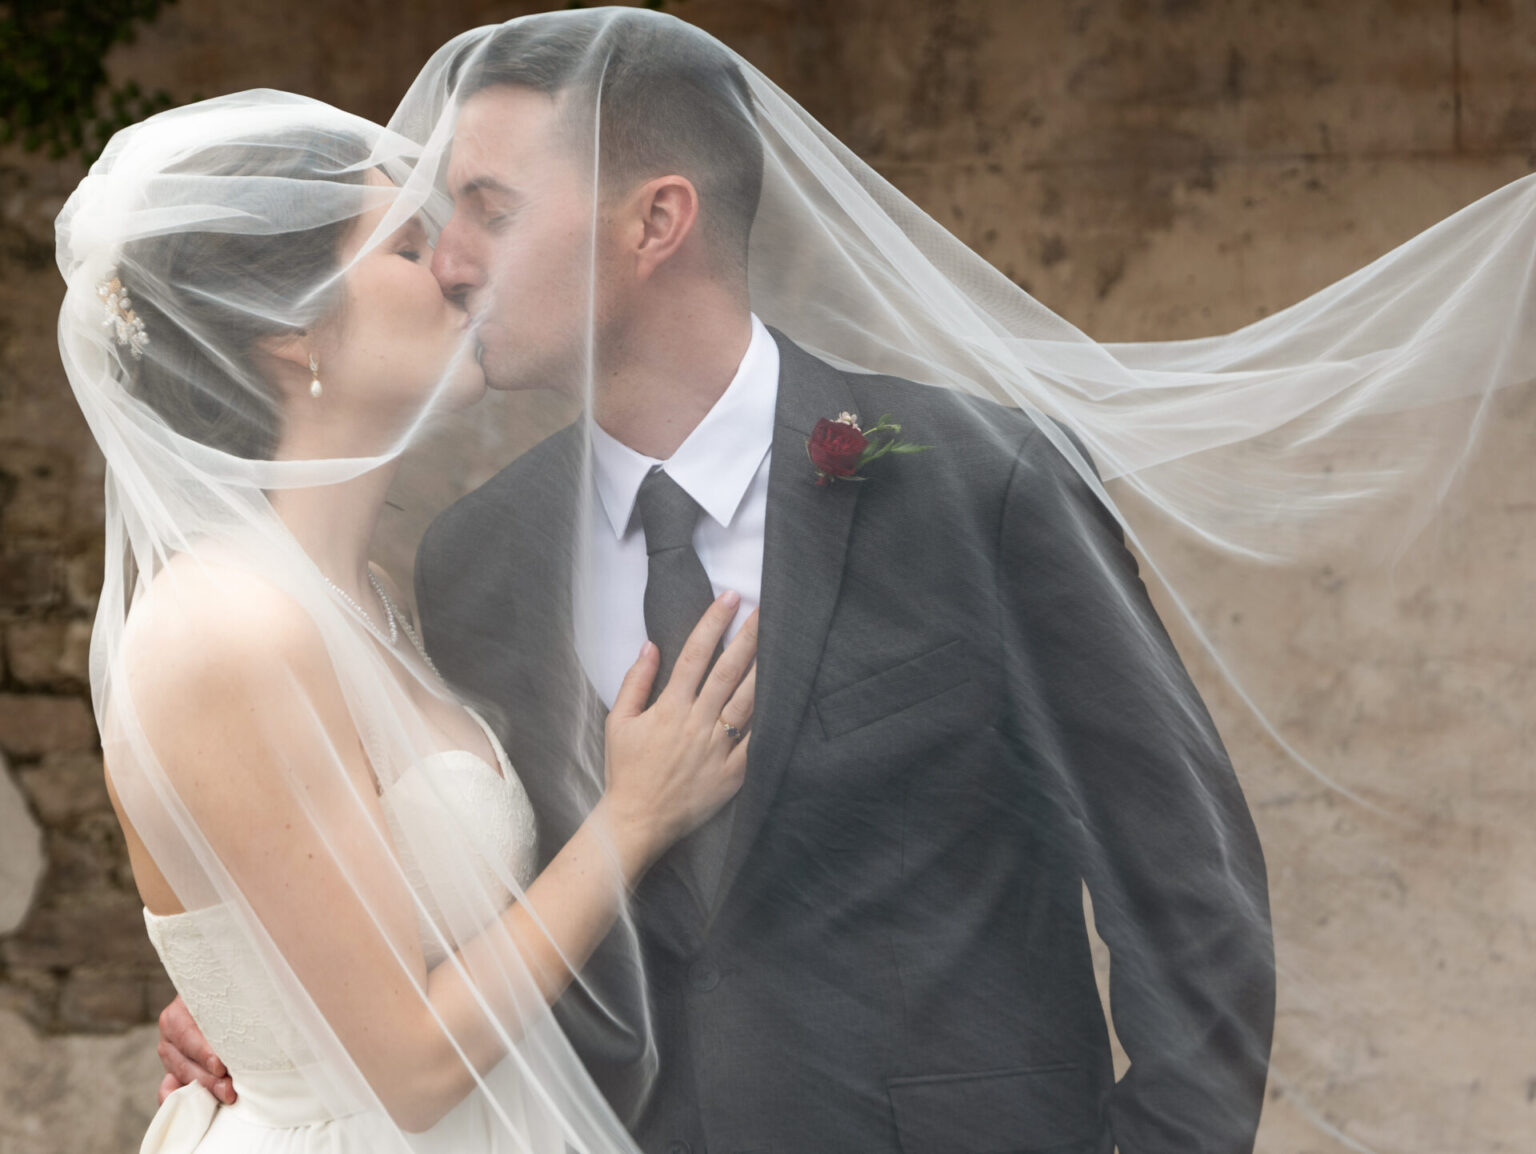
{"points": [[124, 324]]}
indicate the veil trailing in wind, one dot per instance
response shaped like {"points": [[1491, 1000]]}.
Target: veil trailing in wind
{"points": [[1330, 509], [1309, 875]]}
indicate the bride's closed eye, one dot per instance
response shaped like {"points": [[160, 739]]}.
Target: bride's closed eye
{"points": [[411, 240]]}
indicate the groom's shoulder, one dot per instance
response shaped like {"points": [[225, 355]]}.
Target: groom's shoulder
{"points": [[985, 431], [524, 488], [949, 408], [985, 454]]}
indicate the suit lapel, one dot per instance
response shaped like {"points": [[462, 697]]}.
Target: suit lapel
{"points": [[544, 678], [559, 706], [804, 544]]}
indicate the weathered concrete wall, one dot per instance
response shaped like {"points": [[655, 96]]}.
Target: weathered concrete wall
{"points": [[1154, 169], [1147, 168]]}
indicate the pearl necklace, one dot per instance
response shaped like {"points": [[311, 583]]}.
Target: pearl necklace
{"points": [[396, 621]]}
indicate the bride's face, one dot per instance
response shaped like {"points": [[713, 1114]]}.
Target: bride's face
{"points": [[396, 345]]}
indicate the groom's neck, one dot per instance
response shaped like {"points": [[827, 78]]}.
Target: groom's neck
{"points": [[665, 369]]}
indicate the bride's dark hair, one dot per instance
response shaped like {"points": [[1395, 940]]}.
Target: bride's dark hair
{"points": [[208, 298]]}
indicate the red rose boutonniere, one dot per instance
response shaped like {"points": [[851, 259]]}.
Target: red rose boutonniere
{"points": [[839, 449]]}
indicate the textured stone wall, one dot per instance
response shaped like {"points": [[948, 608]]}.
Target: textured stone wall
{"points": [[1147, 168]]}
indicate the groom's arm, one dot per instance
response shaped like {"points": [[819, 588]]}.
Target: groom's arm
{"points": [[1136, 777], [187, 1057]]}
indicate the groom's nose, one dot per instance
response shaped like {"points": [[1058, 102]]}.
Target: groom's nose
{"points": [[453, 264]]}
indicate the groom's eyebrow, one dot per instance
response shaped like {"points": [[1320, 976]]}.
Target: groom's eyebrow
{"points": [[488, 184]]}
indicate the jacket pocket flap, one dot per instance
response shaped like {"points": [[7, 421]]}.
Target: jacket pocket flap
{"points": [[1033, 1108], [891, 690]]}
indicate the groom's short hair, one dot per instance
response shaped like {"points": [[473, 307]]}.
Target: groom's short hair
{"points": [[672, 100]]}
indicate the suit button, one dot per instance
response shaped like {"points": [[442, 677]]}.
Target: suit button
{"points": [[703, 976], [679, 1147]]}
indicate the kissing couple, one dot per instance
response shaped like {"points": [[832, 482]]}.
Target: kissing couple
{"points": [[616, 637]]}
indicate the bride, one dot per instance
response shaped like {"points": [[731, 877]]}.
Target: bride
{"points": [[340, 868]]}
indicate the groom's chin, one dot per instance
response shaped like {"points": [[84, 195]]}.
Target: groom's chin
{"points": [[521, 385], [504, 378]]}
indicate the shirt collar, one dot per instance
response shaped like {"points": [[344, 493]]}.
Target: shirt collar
{"points": [[717, 461]]}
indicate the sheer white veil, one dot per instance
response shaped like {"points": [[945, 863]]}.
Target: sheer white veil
{"points": [[1324, 505], [1321, 504], [255, 717]]}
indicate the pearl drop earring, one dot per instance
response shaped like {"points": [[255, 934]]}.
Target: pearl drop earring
{"points": [[314, 372]]}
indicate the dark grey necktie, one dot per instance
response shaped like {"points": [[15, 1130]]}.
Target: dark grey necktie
{"points": [[677, 592]]}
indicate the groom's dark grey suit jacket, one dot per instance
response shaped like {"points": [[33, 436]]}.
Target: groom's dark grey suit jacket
{"points": [[955, 730]]}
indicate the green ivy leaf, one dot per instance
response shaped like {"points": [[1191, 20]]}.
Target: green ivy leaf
{"points": [[53, 83]]}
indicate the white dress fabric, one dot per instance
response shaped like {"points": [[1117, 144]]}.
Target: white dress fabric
{"points": [[277, 1110]]}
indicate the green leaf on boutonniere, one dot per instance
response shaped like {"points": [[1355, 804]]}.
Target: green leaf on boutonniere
{"points": [[884, 438], [839, 449]]}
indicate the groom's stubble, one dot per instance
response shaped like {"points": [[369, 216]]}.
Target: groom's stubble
{"points": [[542, 255], [520, 250]]}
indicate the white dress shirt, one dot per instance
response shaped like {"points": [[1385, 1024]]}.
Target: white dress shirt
{"points": [[723, 465]]}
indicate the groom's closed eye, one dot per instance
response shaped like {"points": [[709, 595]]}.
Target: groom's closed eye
{"points": [[492, 201], [497, 216]]}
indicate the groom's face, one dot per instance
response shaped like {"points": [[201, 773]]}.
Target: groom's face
{"points": [[517, 251]]}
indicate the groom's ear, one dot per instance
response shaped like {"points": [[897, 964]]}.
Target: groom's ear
{"points": [[664, 213]]}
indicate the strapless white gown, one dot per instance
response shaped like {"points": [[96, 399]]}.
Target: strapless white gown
{"points": [[278, 1109]]}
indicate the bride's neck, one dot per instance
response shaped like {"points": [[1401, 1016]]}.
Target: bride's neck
{"points": [[334, 524]]}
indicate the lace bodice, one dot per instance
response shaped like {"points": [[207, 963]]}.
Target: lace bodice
{"points": [[216, 970]]}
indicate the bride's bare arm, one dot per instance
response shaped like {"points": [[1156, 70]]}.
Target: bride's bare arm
{"points": [[250, 726]]}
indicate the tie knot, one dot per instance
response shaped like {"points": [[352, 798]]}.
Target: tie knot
{"points": [[667, 513]]}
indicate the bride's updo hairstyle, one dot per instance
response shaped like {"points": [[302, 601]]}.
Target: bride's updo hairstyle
{"points": [[208, 298]]}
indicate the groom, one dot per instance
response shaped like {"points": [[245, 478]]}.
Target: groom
{"points": [[966, 708], [881, 945]]}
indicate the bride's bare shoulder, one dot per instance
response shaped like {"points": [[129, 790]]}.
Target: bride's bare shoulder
{"points": [[201, 622], [226, 676]]}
